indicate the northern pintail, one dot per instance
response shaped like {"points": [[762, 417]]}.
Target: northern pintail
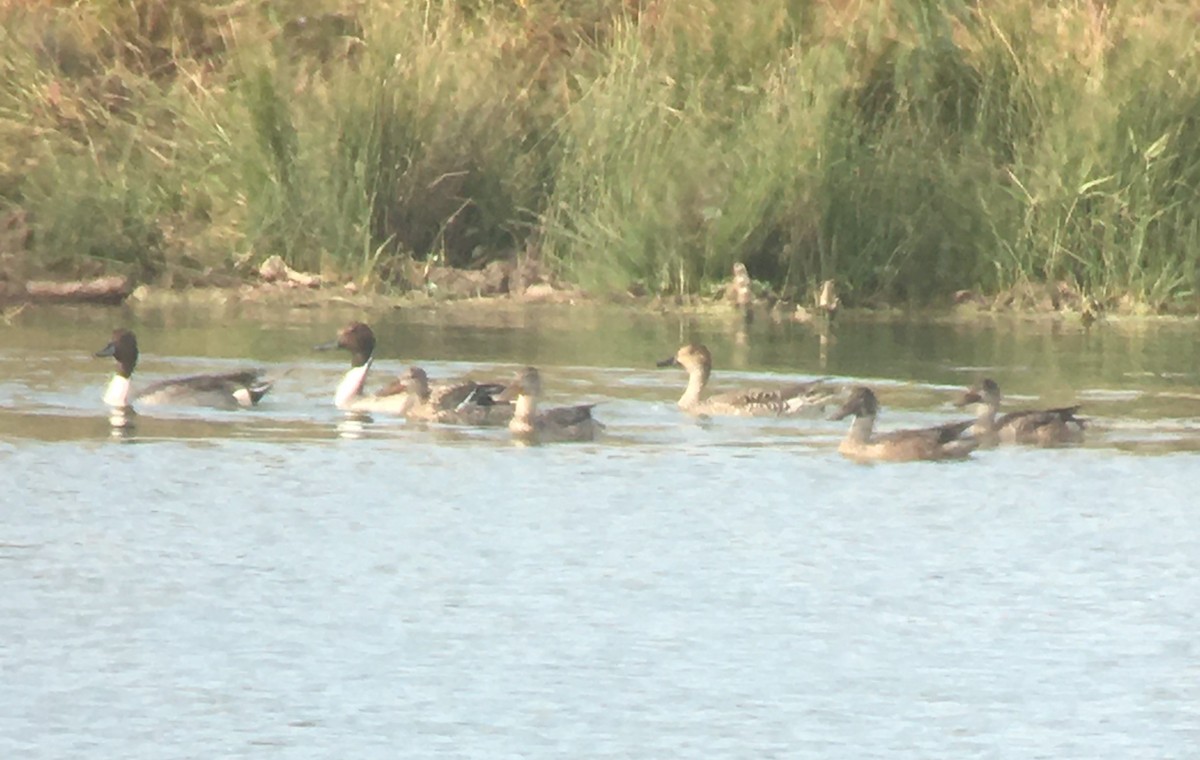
{"points": [[232, 390], [941, 442], [359, 339], [755, 402], [565, 423], [1043, 427], [465, 403]]}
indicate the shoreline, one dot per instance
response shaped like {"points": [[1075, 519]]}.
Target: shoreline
{"points": [[286, 295]]}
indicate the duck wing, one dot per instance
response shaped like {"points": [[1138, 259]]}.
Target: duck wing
{"points": [[802, 397], [932, 443], [1029, 420], [241, 379], [952, 431], [751, 401], [453, 395], [937, 436], [790, 399], [231, 385], [565, 416]]}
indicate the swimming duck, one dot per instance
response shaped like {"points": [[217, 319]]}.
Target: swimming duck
{"points": [[565, 423], [466, 403], [791, 399], [232, 390], [941, 442], [359, 339], [1043, 427]]}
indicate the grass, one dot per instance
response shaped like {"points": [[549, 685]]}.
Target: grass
{"points": [[908, 149]]}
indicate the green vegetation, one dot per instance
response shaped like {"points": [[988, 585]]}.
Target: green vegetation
{"points": [[908, 148]]}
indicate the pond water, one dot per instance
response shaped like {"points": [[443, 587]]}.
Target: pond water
{"points": [[283, 583]]}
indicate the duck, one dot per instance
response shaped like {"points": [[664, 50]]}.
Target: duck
{"points": [[788, 400], [465, 403], [359, 339], [933, 443], [1042, 427], [231, 390], [564, 423]]}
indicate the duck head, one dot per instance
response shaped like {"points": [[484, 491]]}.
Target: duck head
{"points": [[415, 381], [527, 382], [862, 403], [123, 347], [357, 338], [985, 391], [694, 357]]}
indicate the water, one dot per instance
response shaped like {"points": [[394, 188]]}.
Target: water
{"points": [[281, 583]]}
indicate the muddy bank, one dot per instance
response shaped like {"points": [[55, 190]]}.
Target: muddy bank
{"points": [[504, 286]]}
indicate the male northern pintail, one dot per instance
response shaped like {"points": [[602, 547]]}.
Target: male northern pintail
{"points": [[941, 442], [359, 340], [1044, 427], [565, 423], [792, 399], [231, 390], [465, 403]]}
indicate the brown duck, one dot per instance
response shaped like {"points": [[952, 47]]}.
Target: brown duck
{"points": [[934, 443], [565, 423], [464, 403], [1041, 427], [755, 402]]}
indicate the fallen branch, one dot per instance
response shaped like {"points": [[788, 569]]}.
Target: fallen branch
{"points": [[110, 290]]}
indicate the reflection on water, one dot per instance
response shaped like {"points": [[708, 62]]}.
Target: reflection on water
{"points": [[323, 585], [353, 425], [121, 421]]}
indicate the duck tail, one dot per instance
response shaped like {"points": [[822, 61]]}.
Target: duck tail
{"points": [[262, 383], [1069, 414], [259, 389], [483, 394], [812, 396]]}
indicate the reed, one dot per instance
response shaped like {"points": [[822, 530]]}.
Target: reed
{"points": [[908, 149]]}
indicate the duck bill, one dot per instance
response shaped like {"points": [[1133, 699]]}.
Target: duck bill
{"points": [[845, 411], [669, 362], [968, 398], [330, 346], [393, 388], [510, 393], [109, 350]]}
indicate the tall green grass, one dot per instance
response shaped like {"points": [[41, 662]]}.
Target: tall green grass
{"points": [[908, 149]]}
